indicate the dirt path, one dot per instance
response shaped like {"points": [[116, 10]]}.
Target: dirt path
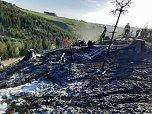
{"points": [[11, 61]]}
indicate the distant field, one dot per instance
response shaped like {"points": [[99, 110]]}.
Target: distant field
{"points": [[11, 61]]}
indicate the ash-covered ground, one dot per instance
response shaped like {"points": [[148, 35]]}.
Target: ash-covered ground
{"points": [[43, 85]]}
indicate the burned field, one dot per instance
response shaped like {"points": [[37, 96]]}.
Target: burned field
{"points": [[45, 85]]}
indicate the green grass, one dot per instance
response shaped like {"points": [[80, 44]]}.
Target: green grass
{"points": [[73, 24], [43, 15], [69, 22]]}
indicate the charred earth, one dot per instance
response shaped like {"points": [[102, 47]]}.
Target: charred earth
{"points": [[42, 84]]}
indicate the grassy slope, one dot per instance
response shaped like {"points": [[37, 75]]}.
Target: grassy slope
{"points": [[84, 30], [67, 21], [21, 30], [28, 17]]}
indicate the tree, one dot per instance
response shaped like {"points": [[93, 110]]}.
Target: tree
{"points": [[121, 8], [17, 52], [3, 50]]}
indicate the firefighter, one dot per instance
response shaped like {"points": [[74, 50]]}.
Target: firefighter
{"points": [[127, 30], [137, 33], [103, 34]]}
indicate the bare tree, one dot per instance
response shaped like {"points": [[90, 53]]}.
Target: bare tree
{"points": [[121, 8]]}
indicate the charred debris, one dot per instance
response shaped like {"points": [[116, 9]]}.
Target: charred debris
{"points": [[126, 86]]}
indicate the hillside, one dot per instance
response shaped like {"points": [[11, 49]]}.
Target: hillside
{"points": [[20, 31], [83, 30]]}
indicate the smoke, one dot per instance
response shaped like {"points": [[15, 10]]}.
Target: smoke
{"points": [[90, 31]]}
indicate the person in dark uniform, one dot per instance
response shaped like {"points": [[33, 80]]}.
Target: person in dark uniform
{"points": [[137, 33], [103, 34], [127, 30]]}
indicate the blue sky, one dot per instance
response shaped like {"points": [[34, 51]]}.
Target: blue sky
{"points": [[82, 5], [68, 8], [96, 11]]}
